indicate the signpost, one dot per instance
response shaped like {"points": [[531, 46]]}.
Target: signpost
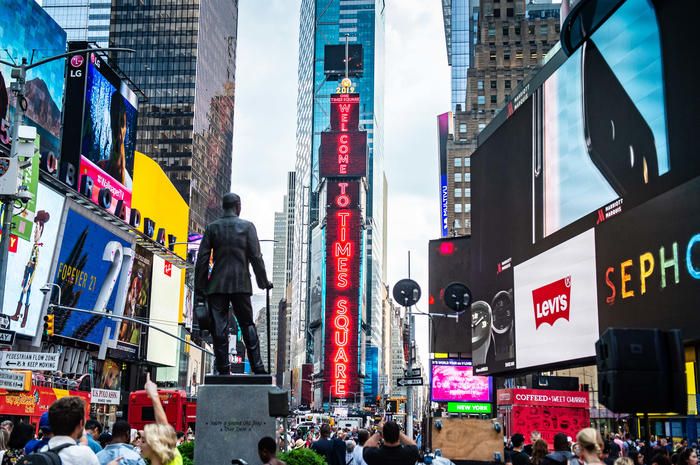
{"points": [[35, 361], [469, 407], [413, 372], [7, 337], [106, 396], [401, 382], [15, 381]]}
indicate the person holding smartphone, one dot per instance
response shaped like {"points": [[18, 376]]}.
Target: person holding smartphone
{"points": [[390, 447]]}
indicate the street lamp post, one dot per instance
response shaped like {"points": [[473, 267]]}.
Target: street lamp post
{"points": [[19, 74]]}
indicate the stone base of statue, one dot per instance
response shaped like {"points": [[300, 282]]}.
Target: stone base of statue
{"points": [[232, 416]]}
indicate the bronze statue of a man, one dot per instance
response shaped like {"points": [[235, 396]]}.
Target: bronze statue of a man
{"points": [[233, 242]]}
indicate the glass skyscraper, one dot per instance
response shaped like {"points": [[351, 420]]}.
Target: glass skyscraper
{"points": [[185, 63], [455, 14], [82, 19], [329, 22]]}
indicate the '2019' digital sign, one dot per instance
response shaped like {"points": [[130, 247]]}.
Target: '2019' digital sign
{"points": [[343, 258], [343, 150]]}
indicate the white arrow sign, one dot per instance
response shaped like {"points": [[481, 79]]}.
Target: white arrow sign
{"points": [[36, 361], [12, 381]]}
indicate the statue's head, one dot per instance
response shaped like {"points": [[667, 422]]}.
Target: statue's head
{"points": [[232, 202]]}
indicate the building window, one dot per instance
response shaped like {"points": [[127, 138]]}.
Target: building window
{"points": [[517, 30], [467, 160], [496, 12], [467, 207], [533, 55], [458, 162], [458, 192], [481, 100], [544, 29], [457, 223], [507, 83], [467, 191], [518, 54], [492, 31], [492, 56], [481, 128], [557, 28], [458, 208], [506, 56], [462, 127], [494, 84], [480, 85], [505, 31], [458, 177], [531, 29], [493, 99], [467, 177], [509, 12]]}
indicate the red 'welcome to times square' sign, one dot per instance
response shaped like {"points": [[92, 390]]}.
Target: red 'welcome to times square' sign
{"points": [[343, 261], [343, 151]]}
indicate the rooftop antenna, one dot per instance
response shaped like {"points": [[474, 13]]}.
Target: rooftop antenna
{"points": [[347, 56]]}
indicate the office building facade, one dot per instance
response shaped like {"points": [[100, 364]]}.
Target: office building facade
{"points": [[185, 63], [330, 22], [510, 39], [83, 20]]}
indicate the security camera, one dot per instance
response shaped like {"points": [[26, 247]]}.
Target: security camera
{"points": [[24, 196]]}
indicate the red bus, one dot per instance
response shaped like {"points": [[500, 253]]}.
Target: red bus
{"points": [[180, 409], [29, 405]]}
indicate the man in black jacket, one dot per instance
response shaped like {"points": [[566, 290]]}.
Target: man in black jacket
{"points": [[562, 453], [233, 242], [333, 450]]}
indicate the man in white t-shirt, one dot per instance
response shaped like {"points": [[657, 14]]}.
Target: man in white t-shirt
{"points": [[67, 419], [362, 437]]}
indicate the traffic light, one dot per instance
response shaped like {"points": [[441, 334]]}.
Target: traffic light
{"points": [[49, 324]]}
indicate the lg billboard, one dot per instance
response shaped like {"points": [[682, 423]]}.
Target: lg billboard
{"points": [[586, 198]]}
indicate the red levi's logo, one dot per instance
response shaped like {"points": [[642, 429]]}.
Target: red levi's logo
{"points": [[168, 268], [552, 302]]}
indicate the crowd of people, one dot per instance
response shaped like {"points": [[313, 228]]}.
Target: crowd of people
{"points": [[65, 432], [590, 448]]}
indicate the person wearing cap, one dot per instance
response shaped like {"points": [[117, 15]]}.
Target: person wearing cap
{"points": [[518, 457], [36, 444]]}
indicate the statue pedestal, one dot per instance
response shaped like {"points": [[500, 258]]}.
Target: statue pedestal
{"points": [[232, 416]]}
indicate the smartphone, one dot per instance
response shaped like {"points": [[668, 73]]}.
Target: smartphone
{"points": [[619, 141]]}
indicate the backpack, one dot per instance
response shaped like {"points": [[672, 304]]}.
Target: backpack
{"points": [[50, 457]]}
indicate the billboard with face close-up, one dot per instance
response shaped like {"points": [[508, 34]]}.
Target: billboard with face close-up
{"points": [[585, 196], [99, 135]]}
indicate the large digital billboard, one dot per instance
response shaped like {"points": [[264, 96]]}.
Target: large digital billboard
{"points": [[343, 151], [27, 31], [92, 269], [343, 287], [453, 380], [443, 133], [30, 262], [136, 304], [585, 198], [166, 301], [99, 137]]}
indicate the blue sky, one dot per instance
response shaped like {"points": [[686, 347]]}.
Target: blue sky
{"points": [[417, 89]]}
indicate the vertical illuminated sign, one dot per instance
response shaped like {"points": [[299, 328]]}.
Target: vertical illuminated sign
{"points": [[343, 151], [343, 261], [443, 132]]}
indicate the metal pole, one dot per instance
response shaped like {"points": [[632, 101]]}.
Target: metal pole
{"points": [[8, 202], [269, 331], [409, 389]]}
